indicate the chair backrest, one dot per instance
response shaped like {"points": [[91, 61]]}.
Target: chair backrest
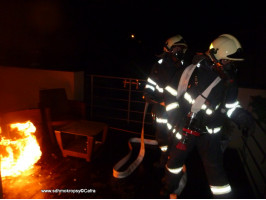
{"points": [[56, 100]]}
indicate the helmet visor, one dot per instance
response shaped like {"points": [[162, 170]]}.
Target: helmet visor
{"points": [[238, 55]]}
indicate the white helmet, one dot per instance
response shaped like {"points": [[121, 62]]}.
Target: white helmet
{"points": [[226, 47], [176, 40]]}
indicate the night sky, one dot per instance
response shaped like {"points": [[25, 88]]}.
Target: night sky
{"points": [[94, 35]]}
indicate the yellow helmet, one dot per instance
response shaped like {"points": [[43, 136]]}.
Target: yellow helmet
{"points": [[176, 40], [226, 47]]}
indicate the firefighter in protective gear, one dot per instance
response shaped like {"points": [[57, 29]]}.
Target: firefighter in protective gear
{"points": [[171, 60], [206, 93]]}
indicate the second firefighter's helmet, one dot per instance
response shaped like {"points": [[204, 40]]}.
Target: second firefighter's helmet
{"points": [[226, 47], [176, 40]]}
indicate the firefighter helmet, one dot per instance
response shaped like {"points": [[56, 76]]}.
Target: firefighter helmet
{"points": [[226, 47], [176, 40]]}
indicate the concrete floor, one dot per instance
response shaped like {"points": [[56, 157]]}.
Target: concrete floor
{"points": [[55, 172]]}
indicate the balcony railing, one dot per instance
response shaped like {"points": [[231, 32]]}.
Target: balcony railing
{"points": [[119, 102]]}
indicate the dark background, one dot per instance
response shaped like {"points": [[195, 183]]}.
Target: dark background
{"points": [[94, 35]]}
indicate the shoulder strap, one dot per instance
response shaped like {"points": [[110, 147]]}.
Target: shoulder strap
{"points": [[199, 101], [183, 82]]}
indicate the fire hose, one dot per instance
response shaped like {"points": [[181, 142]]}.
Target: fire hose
{"points": [[135, 163]]}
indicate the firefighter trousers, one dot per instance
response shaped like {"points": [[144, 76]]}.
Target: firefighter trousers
{"points": [[209, 148]]}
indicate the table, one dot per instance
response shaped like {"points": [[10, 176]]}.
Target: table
{"points": [[71, 137]]}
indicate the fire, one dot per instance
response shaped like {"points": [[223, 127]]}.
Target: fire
{"points": [[19, 155]]}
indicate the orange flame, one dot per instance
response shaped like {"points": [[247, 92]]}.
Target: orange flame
{"points": [[20, 154]]}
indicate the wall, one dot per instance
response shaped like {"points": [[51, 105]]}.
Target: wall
{"points": [[20, 86]]}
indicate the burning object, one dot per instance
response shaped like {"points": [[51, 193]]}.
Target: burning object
{"points": [[20, 150]]}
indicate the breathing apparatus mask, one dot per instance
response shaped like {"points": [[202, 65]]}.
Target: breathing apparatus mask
{"points": [[179, 55], [177, 51], [226, 69]]}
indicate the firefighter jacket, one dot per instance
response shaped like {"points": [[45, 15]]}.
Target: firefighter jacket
{"points": [[162, 71], [220, 102]]}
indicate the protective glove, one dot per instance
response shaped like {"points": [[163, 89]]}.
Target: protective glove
{"points": [[249, 128], [245, 121]]}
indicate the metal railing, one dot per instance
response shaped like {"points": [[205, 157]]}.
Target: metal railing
{"points": [[253, 157], [119, 102]]}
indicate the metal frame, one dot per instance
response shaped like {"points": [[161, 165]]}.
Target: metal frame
{"points": [[130, 88]]}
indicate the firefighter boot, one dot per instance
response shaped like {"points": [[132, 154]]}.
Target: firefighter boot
{"points": [[170, 184]]}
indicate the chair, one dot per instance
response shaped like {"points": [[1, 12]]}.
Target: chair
{"points": [[58, 110]]}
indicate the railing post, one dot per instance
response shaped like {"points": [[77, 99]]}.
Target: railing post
{"points": [[129, 102], [91, 104]]}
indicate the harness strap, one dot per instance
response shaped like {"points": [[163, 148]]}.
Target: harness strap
{"points": [[183, 82], [199, 101]]}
